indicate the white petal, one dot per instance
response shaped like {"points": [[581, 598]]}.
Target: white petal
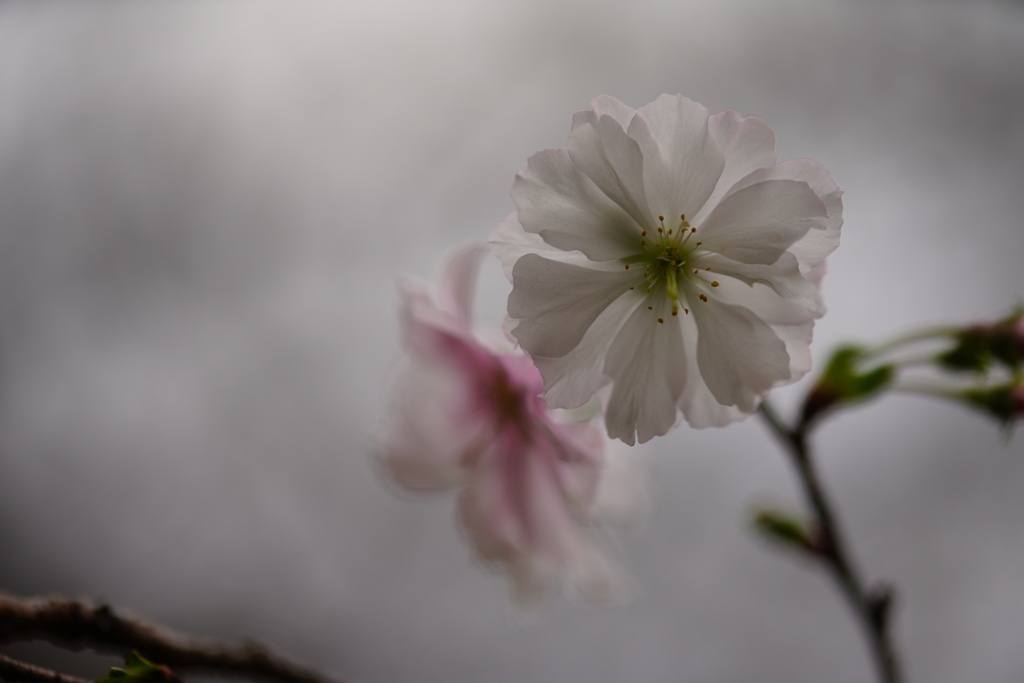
{"points": [[557, 302], [600, 148], [816, 244], [682, 162], [510, 242], [758, 223], [792, 322], [557, 201], [739, 355], [748, 144], [784, 277], [648, 366], [603, 105], [571, 380], [699, 407]]}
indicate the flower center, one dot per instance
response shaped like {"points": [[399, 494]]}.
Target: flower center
{"points": [[505, 396], [669, 257]]}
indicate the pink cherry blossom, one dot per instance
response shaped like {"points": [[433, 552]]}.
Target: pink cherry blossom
{"points": [[464, 415]]}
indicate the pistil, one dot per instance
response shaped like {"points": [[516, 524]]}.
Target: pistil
{"points": [[666, 258]]}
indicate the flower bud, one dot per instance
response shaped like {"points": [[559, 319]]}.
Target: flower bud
{"points": [[844, 382], [1004, 402], [979, 345], [787, 530]]}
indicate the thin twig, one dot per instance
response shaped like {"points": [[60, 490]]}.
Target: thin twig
{"points": [[872, 607], [22, 672], [77, 624]]}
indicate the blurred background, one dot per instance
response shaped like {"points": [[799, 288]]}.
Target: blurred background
{"points": [[204, 207]]}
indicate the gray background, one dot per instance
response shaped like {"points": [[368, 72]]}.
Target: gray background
{"points": [[204, 208]]}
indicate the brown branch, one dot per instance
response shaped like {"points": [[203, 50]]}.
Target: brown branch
{"points": [[21, 672], [871, 606], [77, 624]]}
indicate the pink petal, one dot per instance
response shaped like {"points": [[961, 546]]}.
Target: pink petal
{"points": [[429, 440], [518, 516], [457, 281]]}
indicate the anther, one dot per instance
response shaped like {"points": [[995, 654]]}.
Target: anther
{"points": [[661, 218], [643, 243], [714, 283], [686, 311], [627, 266], [703, 297], [693, 229], [675, 312], [661, 229], [695, 271], [661, 320], [650, 308], [708, 268], [698, 244], [643, 233], [632, 288], [682, 217]]}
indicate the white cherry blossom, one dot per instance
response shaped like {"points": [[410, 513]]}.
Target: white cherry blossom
{"points": [[665, 256]]}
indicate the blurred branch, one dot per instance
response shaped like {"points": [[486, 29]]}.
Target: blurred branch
{"points": [[872, 606], [77, 624], [20, 672]]}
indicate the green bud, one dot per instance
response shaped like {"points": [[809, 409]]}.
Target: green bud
{"points": [[138, 669], [970, 354], [1004, 402], [785, 529], [843, 383], [978, 346]]}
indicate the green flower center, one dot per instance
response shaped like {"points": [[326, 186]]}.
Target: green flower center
{"points": [[669, 257]]}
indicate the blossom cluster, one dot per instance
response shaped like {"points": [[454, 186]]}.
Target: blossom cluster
{"points": [[663, 265]]}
